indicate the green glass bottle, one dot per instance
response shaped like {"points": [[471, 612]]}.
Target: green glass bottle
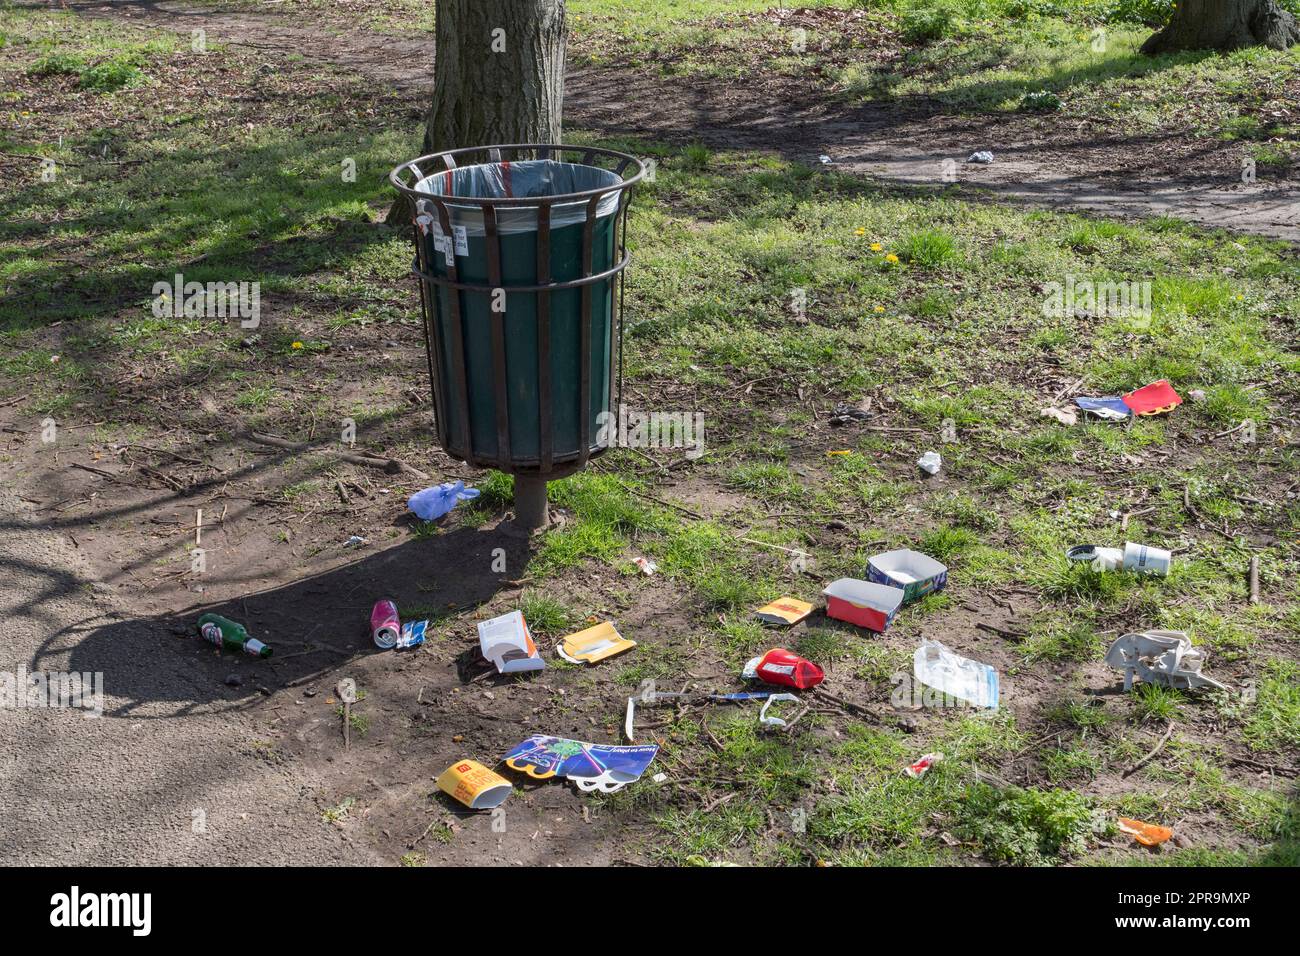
{"points": [[231, 635]]}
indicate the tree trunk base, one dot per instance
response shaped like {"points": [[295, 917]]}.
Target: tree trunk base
{"points": [[399, 213], [1229, 26]]}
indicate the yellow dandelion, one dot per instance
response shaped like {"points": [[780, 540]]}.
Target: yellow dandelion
{"points": [[876, 247], [891, 258], [880, 308], [859, 232], [296, 345]]}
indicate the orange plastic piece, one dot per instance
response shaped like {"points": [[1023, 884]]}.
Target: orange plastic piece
{"points": [[1148, 834]]}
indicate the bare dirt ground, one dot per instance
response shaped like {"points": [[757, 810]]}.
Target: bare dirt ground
{"points": [[1106, 172], [135, 785], [252, 743]]}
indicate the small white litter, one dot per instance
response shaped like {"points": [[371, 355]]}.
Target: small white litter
{"points": [[1062, 415], [936, 666], [1160, 657]]}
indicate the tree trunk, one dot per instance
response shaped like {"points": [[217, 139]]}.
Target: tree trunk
{"points": [[1225, 25], [498, 74]]}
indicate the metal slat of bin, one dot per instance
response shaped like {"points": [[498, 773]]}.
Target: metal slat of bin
{"points": [[584, 390], [492, 239], [432, 337], [456, 340], [618, 325], [549, 286], [547, 451], [616, 305]]}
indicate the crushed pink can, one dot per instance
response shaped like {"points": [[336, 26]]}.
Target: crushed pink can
{"points": [[385, 625]]}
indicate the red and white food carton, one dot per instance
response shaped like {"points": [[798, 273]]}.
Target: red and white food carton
{"points": [[863, 603]]}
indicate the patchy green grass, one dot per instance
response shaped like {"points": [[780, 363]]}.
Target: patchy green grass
{"points": [[1029, 827], [1156, 703], [546, 615], [1273, 724]]}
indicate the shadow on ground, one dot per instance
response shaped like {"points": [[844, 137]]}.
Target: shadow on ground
{"points": [[315, 625]]}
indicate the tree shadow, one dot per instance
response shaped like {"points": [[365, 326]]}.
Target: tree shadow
{"points": [[157, 667], [1116, 66], [270, 209]]}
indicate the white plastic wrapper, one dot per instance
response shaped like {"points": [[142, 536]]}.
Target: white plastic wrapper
{"points": [[528, 178], [936, 666]]}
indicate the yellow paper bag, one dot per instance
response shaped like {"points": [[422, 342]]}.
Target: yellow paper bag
{"points": [[474, 785]]}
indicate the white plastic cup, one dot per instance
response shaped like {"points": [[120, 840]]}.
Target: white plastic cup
{"points": [[1144, 559]]}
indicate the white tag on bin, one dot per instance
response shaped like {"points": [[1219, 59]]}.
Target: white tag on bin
{"points": [[444, 245]]}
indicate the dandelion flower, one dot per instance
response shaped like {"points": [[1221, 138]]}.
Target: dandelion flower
{"points": [[891, 258], [876, 247], [296, 345]]}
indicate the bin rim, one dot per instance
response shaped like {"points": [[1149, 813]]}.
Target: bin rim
{"points": [[496, 154]]}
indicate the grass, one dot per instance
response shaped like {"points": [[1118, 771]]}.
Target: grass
{"points": [[1274, 722], [1156, 703], [546, 615], [953, 333], [1031, 826]]}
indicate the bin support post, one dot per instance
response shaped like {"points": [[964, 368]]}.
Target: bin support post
{"points": [[530, 501]]}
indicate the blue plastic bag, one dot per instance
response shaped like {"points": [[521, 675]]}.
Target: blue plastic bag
{"points": [[432, 503]]}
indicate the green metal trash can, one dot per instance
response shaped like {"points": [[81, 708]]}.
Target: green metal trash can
{"points": [[520, 252]]}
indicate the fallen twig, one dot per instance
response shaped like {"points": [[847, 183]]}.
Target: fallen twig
{"points": [[390, 465], [667, 504], [714, 804], [1123, 524], [1066, 391], [1169, 731], [789, 724], [1282, 771], [1229, 431], [842, 703], [1000, 631], [102, 473], [767, 544]]}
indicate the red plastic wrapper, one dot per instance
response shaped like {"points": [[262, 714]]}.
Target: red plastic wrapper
{"points": [[786, 669]]}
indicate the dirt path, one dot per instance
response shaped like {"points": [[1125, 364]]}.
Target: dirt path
{"points": [[1103, 173], [252, 750], [171, 773]]}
